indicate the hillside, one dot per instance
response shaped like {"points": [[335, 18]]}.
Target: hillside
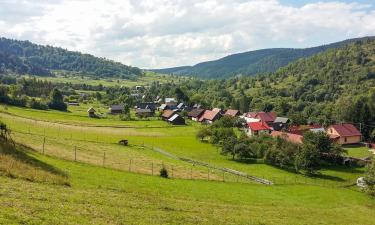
{"points": [[24, 57], [250, 63]]}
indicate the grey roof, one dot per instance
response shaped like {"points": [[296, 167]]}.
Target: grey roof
{"points": [[180, 105], [91, 110], [175, 116], [116, 107], [281, 120], [163, 106], [167, 100], [143, 110]]}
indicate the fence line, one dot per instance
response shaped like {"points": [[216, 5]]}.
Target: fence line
{"points": [[140, 166]]}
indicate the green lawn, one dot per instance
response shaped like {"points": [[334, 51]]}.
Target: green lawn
{"points": [[358, 151], [104, 196]]}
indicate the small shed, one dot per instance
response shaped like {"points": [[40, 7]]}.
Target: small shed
{"points": [[116, 109], [91, 111], [176, 119], [144, 112]]}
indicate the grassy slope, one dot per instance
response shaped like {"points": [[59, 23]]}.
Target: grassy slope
{"points": [[180, 141], [104, 196]]}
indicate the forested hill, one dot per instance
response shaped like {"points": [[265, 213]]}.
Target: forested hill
{"points": [[250, 63], [24, 57]]}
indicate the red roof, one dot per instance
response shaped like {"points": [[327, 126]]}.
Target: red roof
{"points": [[232, 112], [209, 115], [251, 114], [257, 126], [294, 138], [266, 116], [346, 130]]}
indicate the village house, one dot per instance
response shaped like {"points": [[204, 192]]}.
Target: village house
{"points": [[266, 117], [116, 109], [167, 114], [91, 111], [195, 114], [210, 116], [232, 113], [257, 128], [176, 119], [144, 112], [344, 134], [294, 138], [280, 123]]}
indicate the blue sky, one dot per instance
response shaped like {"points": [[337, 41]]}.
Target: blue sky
{"points": [[167, 33]]}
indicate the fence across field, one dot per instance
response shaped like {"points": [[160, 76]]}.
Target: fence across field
{"points": [[49, 146]]}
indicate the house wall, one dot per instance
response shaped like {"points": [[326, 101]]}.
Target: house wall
{"points": [[349, 140], [344, 140]]}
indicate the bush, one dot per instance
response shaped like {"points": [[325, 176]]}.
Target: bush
{"points": [[164, 172], [370, 178]]}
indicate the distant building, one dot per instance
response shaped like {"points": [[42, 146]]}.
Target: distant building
{"points": [[91, 111], [344, 133], [195, 114], [73, 103], [147, 105], [209, 116], [280, 123], [167, 114], [257, 128], [232, 113], [116, 109], [144, 112], [294, 138], [176, 119]]}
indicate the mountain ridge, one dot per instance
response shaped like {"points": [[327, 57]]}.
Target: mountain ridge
{"points": [[252, 62]]}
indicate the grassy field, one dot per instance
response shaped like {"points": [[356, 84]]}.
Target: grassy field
{"points": [[81, 131], [103, 196], [145, 80], [358, 151]]}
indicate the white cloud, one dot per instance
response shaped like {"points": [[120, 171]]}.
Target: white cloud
{"points": [[163, 33]]}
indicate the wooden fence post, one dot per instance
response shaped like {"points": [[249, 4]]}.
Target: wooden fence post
{"points": [[152, 168], [172, 172], [130, 165], [44, 142], [103, 159], [224, 176], [208, 174], [191, 173], [75, 153]]}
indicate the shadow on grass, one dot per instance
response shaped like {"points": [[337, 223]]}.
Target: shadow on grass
{"points": [[20, 153]]}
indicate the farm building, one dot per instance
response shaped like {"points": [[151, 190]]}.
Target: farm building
{"points": [[344, 133], [147, 105], [195, 114], [176, 120], [167, 114], [91, 111], [232, 113], [280, 123], [116, 109], [209, 116], [294, 138], [144, 112], [256, 128]]}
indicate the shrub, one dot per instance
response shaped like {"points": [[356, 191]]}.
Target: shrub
{"points": [[370, 178], [164, 172]]}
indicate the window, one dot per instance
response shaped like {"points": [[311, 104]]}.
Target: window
{"points": [[345, 140]]}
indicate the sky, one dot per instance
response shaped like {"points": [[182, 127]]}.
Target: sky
{"points": [[168, 33]]}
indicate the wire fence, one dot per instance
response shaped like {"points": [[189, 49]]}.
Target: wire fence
{"points": [[52, 139]]}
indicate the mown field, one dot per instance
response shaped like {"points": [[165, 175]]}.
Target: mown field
{"points": [[99, 195], [104, 190]]}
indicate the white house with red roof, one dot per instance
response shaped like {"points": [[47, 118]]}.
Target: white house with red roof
{"points": [[344, 133], [256, 128]]}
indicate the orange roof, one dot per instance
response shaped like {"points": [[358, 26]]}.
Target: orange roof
{"points": [[167, 113], [208, 115], [294, 138], [232, 112]]}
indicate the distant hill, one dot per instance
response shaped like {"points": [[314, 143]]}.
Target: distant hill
{"points": [[24, 57], [252, 62]]}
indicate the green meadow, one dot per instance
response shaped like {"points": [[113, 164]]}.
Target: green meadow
{"points": [[107, 183]]}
